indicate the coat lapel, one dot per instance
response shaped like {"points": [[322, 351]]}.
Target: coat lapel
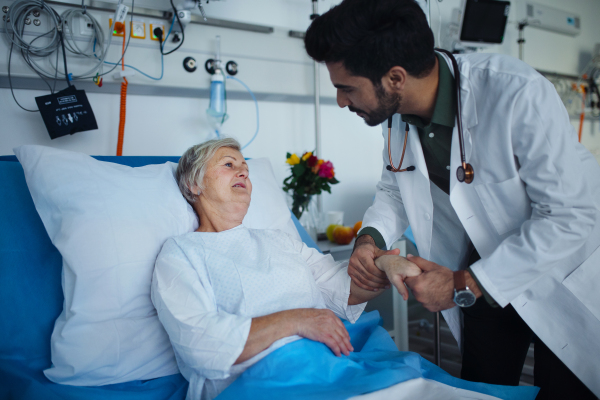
{"points": [[414, 186], [464, 197]]}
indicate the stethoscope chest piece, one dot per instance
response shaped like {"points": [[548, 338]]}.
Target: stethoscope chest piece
{"points": [[465, 174]]}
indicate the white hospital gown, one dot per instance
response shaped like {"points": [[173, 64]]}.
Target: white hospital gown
{"points": [[207, 287]]}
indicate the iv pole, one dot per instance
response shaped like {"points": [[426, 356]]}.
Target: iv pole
{"points": [[315, 14], [437, 346]]}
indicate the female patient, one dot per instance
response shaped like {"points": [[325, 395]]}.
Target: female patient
{"points": [[228, 295]]}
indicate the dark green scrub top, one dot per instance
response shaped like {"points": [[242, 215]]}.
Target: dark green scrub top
{"points": [[436, 137]]}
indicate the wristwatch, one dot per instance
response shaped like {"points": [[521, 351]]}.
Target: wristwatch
{"points": [[463, 296]]}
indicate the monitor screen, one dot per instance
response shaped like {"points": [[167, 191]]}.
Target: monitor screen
{"points": [[484, 21]]}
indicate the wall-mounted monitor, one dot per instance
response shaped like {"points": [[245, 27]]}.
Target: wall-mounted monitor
{"points": [[483, 22]]}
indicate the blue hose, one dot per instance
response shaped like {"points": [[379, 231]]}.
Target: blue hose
{"points": [[255, 103]]}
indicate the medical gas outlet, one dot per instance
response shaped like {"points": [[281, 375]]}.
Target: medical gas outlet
{"points": [[189, 64]]}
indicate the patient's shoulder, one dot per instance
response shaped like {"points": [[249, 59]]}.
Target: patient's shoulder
{"points": [[181, 246]]}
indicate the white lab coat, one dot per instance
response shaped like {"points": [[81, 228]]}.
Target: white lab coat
{"points": [[532, 211]]}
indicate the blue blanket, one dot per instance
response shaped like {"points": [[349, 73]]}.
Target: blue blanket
{"points": [[307, 369], [24, 380]]}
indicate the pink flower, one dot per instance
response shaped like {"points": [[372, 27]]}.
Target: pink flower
{"points": [[326, 170]]}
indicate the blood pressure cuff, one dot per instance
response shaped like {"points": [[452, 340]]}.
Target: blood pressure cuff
{"points": [[66, 112]]}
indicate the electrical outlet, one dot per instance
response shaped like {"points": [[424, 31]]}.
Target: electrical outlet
{"points": [[154, 24], [138, 29], [114, 32], [86, 27]]}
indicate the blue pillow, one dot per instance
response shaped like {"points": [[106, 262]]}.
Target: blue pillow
{"points": [[30, 272]]}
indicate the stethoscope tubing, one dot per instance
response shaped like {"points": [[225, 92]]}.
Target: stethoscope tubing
{"points": [[465, 172]]}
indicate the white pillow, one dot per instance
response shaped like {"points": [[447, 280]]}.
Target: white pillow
{"points": [[268, 209], [109, 223]]}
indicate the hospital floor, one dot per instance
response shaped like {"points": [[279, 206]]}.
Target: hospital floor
{"points": [[420, 340]]}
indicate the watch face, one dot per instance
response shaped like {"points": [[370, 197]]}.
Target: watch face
{"points": [[464, 298]]}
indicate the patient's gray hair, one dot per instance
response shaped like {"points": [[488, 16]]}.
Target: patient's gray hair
{"points": [[192, 165]]}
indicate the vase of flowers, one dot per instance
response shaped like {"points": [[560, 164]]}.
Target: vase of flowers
{"points": [[310, 175]]}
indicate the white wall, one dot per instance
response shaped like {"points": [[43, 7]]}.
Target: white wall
{"points": [[545, 50], [276, 64]]}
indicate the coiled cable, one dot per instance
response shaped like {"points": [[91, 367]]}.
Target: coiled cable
{"points": [[15, 25], [123, 108], [67, 19]]}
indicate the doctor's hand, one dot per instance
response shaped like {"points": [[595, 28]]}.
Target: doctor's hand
{"points": [[434, 288], [397, 269], [323, 326], [361, 266]]}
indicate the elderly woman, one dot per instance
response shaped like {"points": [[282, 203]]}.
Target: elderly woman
{"points": [[228, 295]]}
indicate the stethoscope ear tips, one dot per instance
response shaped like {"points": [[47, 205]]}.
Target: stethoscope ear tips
{"points": [[411, 168], [389, 167]]}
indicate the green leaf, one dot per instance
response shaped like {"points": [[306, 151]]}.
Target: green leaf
{"points": [[287, 155], [298, 169], [333, 181]]}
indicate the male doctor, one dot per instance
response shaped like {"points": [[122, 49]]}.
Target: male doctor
{"points": [[511, 257]]}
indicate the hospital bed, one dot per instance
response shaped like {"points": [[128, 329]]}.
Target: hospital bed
{"points": [[31, 299]]}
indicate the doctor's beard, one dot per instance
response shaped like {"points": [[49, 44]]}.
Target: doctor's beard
{"points": [[387, 105]]}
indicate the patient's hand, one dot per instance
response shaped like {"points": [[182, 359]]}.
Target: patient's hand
{"points": [[397, 268], [321, 325]]}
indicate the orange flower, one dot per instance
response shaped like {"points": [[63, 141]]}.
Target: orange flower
{"points": [[315, 169]]}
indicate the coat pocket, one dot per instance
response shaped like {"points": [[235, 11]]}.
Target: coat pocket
{"points": [[585, 281], [506, 203]]}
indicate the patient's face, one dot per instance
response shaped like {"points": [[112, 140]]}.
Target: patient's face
{"points": [[226, 181]]}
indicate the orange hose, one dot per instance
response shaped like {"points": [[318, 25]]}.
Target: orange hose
{"points": [[582, 115], [123, 103], [122, 117]]}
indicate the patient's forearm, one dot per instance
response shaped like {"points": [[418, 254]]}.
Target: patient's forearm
{"points": [[359, 295], [266, 330]]}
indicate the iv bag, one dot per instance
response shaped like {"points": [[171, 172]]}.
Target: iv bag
{"points": [[217, 111]]}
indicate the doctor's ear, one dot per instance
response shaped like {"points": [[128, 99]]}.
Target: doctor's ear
{"points": [[395, 78]]}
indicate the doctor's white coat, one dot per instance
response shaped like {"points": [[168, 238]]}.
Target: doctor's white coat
{"points": [[532, 211]]}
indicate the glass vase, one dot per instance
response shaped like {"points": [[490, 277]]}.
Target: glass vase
{"points": [[309, 218]]}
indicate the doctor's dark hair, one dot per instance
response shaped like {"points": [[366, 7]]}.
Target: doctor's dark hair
{"points": [[192, 165], [371, 36]]}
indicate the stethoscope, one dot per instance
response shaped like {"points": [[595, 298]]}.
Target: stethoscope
{"points": [[465, 172]]}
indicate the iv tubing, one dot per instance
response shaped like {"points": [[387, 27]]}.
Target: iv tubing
{"points": [[162, 66], [255, 103]]}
